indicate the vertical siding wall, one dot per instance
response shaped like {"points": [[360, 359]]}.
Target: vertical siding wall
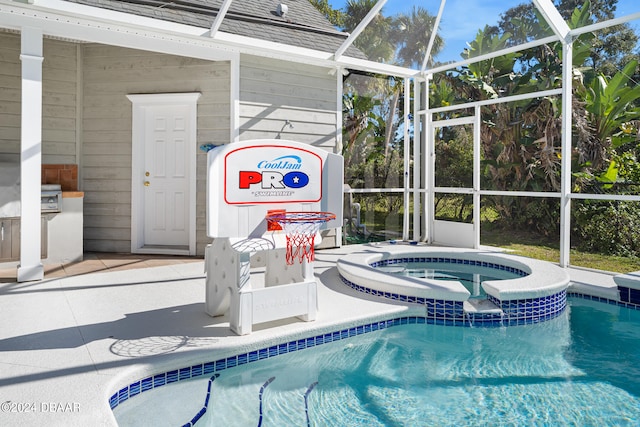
{"points": [[273, 91], [9, 93], [59, 83], [110, 73]]}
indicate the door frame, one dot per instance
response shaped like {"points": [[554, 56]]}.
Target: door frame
{"points": [[452, 233], [141, 102]]}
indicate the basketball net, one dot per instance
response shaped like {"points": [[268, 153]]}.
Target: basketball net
{"points": [[300, 229]]}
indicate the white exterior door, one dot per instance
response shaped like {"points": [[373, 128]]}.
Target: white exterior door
{"points": [[166, 183], [163, 173]]}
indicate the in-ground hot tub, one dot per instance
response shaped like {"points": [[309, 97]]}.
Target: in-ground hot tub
{"points": [[537, 293]]}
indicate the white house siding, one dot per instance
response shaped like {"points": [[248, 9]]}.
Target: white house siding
{"points": [[273, 91], [9, 93], [59, 84], [109, 74]]}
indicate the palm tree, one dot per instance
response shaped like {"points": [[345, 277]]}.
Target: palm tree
{"points": [[411, 34], [374, 41]]}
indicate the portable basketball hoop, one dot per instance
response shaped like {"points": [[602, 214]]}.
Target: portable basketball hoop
{"points": [[300, 229]]}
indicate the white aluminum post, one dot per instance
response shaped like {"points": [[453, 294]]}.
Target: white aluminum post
{"points": [[416, 157], [339, 142], [565, 190], [405, 175], [429, 167], [477, 147], [30, 267]]}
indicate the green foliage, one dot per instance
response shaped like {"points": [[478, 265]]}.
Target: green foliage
{"points": [[611, 103], [520, 140], [610, 107], [454, 157], [538, 215], [411, 34], [335, 16], [608, 227], [375, 40]]}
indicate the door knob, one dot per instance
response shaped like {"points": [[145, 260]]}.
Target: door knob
{"points": [[147, 183]]}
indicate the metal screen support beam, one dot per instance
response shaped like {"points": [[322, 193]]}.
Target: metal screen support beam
{"points": [[406, 151], [553, 18], [565, 188], [359, 28], [429, 166], [219, 18], [432, 38], [417, 136], [477, 149]]}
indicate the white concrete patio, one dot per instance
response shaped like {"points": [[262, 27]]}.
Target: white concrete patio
{"points": [[69, 342]]}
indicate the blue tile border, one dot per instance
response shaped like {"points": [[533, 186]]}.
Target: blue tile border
{"points": [[213, 367], [531, 310], [445, 312], [629, 295], [609, 301], [553, 302]]}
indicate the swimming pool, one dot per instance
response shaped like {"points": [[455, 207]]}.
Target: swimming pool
{"points": [[580, 368]]}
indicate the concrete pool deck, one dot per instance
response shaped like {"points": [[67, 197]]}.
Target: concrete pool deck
{"points": [[68, 342]]}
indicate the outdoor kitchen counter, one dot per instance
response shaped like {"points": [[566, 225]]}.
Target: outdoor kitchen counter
{"points": [[72, 194]]}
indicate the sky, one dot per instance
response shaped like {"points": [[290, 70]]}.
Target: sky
{"points": [[468, 16]]}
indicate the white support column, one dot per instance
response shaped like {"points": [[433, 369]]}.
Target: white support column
{"points": [[417, 136], [30, 267], [339, 145], [565, 190], [428, 167], [406, 151], [477, 148]]}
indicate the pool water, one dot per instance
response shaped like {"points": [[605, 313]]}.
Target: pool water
{"points": [[578, 369], [470, 277]]}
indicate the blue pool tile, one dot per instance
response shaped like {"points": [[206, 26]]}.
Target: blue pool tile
{"points": [[184, 374], [196, 370], [123, 394], [113, 401], [159, 380], [134, 389], [243, 359], [172, 376]]}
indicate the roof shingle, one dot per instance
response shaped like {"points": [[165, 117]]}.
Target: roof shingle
{"points": [[303, 25]]}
